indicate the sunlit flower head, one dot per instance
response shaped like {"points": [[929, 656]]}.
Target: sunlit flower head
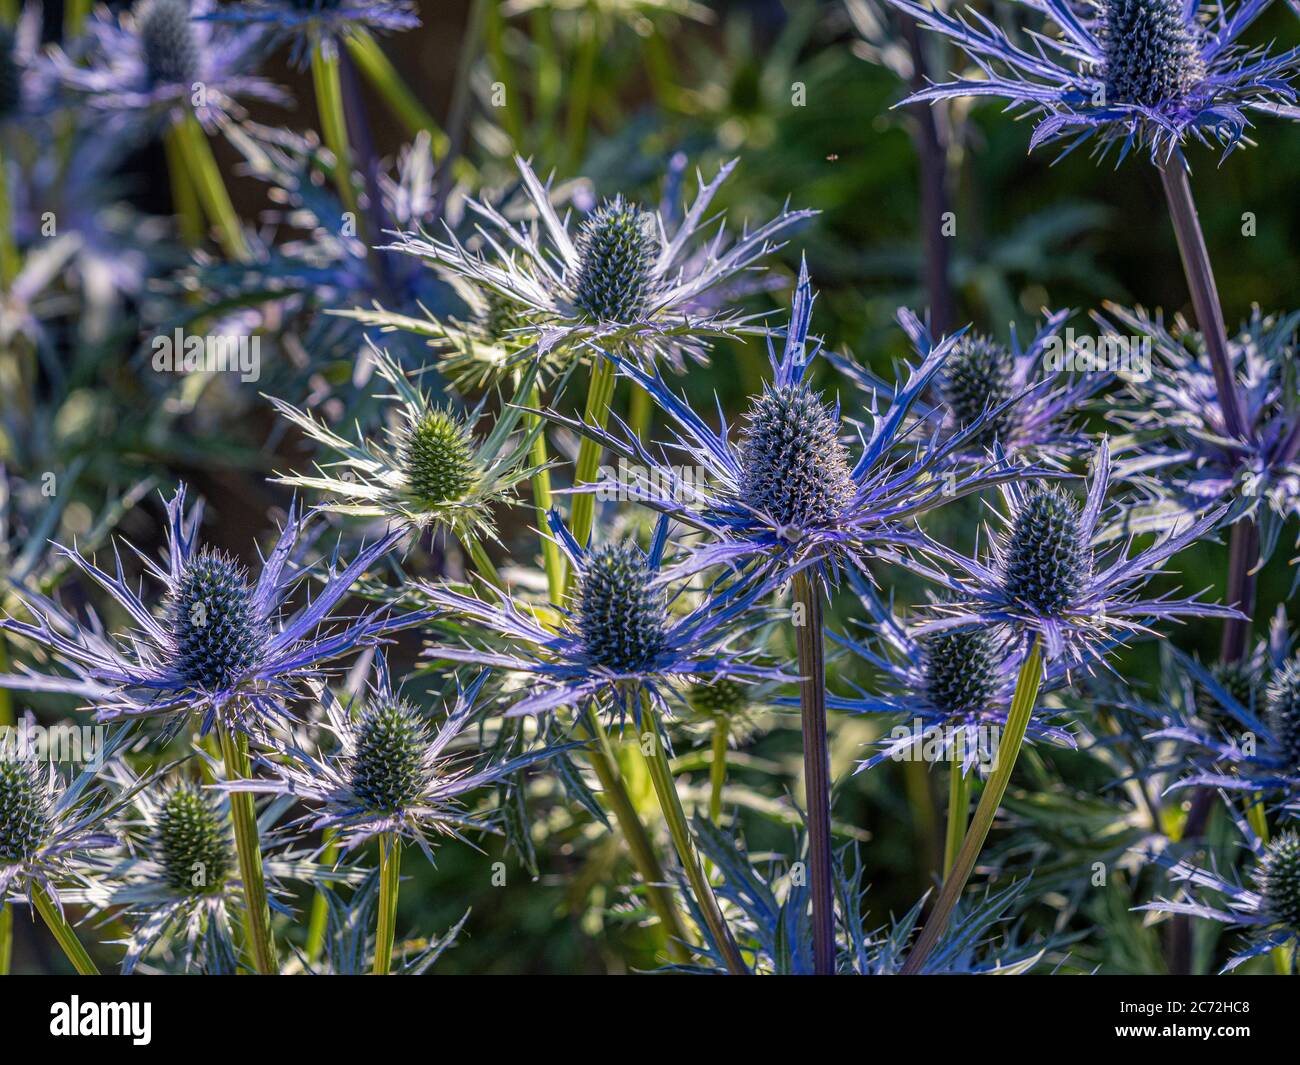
{"points": [[1150, 74], [620, 278], [220, 645]]}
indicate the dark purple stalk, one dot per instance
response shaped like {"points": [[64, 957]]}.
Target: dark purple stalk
{"points": [[816, 768], [932, 163]]}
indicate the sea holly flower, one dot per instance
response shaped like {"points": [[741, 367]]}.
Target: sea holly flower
{"points": [[788, 494], [622, 280], [1179, 428], [1267, 912], [431, 470], [391, 771], [626, 630], [221, 647], [1048, 576], [309, 24], [177, 886], [950, 690], [1148, 74], [1024, 396], [161, 60]]}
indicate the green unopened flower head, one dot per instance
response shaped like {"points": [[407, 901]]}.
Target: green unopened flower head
{"points": [[438, 458], [24, 809], [193, 841], [1047, 562], [389, 769], [617, 250]]}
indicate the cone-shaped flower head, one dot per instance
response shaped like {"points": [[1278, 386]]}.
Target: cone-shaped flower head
{"points": [[1277, 878], [978, 378], [1048, 561], [437, 455], [617, 250], [621, 610], [193, 841], [1152, 55], [1284, 711], [215, 626], [388, 767], [168, 44], [962, 670], [24, 810]]}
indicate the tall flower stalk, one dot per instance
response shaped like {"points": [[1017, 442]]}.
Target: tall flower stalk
{"points": [[243, 818]]}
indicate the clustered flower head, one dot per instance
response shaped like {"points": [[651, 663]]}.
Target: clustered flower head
{"points": [[1146, 74], [311, 24]]}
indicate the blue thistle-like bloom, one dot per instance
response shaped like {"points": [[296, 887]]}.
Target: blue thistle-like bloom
{"points": [[788, 492], [162, 60], [1269, 912], [1182, 441], [1137, 73], [949, 691], [627, 279], [1026, 405], [623, 633], [221, 647], [392, 771], [1051, 577], [310, 24]]}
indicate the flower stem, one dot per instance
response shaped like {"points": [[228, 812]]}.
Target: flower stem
{"points": [[9, 260], [1013, 735], [1243, 554], [6, 938], [670, 803], [318, 918], [816, 768], [387, 82], [551, 556], [334, 126], [206, 179], [634, 834], [504, 72], [584, 73], [74, 18], [58, 924], [185, 200], [958, 813], [1205, 293], [482, 562], [257, 912], [390, 868], [718, 769], [600, 392]]}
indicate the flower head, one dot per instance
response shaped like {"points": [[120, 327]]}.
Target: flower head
{"points": [[310, 24], [392, 769], [162, 60], [623, 280], [789, 492], [221, 646], [431, 470], [1138, 73], [626, 630], [1050, 577]]}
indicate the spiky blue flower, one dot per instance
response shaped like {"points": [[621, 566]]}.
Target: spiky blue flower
{"points": [[626, 630], [1177, 424], [949, 692], [624, 280], [392, 769], [160, 61], [1025, 402], [1052, 577], [1148, 74], [223, 646], [1268, 913], [311, 24], [789, 492]]}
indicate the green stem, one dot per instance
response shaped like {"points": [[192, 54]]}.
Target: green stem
{"points": [[1013, 735], [634, 835], [74, 17], [552, 557], [958, 812], [318, 919], [9, 260], [661, 775], [640, 412], [482, 562], [390, 870], [550, 81], [385, 80], [584, 76], [503, 72], [6, 938], [206, 178], [185, 200], [257, 912], [718, 769], [816, 768], [600, 392], [58, 924], [334, 126]]}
